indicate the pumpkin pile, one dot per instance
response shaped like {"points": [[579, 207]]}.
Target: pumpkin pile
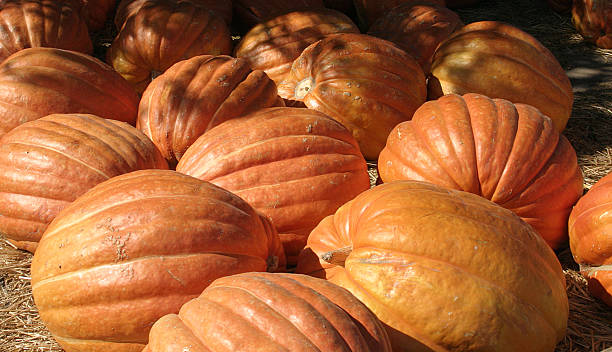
{"points": [[177, 198]]}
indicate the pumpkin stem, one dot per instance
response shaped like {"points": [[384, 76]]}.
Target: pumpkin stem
{"points": [[337, 256], [303, 87]]}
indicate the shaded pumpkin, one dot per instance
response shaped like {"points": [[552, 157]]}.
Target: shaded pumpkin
{"points": [[444, 270], [368, 11], [270, 312], [248, 13], [96, 12], [366, 83], [137, 247], [593, 20], [294, 165], [501, 61], [197, 94]]}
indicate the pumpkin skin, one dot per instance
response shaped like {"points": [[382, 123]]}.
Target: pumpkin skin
{"points": [[273, 45], [509, 154], [251, 12], [96, 12], [590, 233], [36, 82], [161, 33], [47, 163], [366, 83], [501, 61], [46, 23], [294, 165], [197, 94], [368, 11], [445, 270], [593, 20], [137, 247], [417, 28], [270, 312]]}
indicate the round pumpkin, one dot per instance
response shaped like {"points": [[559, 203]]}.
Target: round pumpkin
{"points": [[444, 270], [42, 23], [368, 11], [251, 12], [161, 33], [508, 153], [294, 165], [366, 83], [137, 247], [593, 20], [47, 163], [501, 61], [270, 312], [590, 233], [197, 94], [36, 82]]}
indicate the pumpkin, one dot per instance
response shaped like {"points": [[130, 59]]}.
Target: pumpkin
{"points": [[445, 270], [368, 11], [561, 6], [366, 83], [197, 94], [36, 23], [47, 163], [270, 312], [248, 13], [273, 45], [593, 20], [417, 28], [161, 33], [36, 82], [590, 233], [96, 12], [508, 153], [294, 165], [137, 247], [501, 61]]}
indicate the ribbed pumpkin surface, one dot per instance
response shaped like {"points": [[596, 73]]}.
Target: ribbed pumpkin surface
{"points": [[251, 12], [47, 23], [510, 154], [369, 11], [445, 270], [36, 82], [593, 20], [590, 233], [366, 83], [270, 312], [161, 33], [47, 163], [197, 94], [294, 165], [501, 61], [137, 247]]}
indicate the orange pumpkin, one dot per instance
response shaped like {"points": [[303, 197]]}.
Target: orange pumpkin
{"points": [[251, 12], [368, 11], [444, 270], [593, 20], [96, 12]]}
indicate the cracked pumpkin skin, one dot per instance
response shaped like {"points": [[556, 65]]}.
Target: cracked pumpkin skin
{"points": [[137, 247], [444, 270]]}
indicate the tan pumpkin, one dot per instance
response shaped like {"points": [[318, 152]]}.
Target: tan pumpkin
{"points": [[137, 247], [366, 83], [294, 165], [251, 12], [593, 20], [36, 82], [47, 163], [501, 61], [368, 11], [444, 270], [270, 312]]}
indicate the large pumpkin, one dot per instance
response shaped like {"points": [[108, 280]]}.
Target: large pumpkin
{"points": [[294, 165], [368, 84], [510, 154], [161, 33], [369, 11], [137, 247], [444, 270], [590, 233], [270, 312], [36, 23], [501, 61], [96, 12], [593, 20], [36, 82], [251, 12], [47, 163]]}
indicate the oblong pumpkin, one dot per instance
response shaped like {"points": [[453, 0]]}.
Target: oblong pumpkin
{"points": [[137, 247], [590, 234], [271, 312], [368, 84], [445, 270], [36, 82], [508, 153], [294, 165], [47, 163], [593, 20], [501, 61]]}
